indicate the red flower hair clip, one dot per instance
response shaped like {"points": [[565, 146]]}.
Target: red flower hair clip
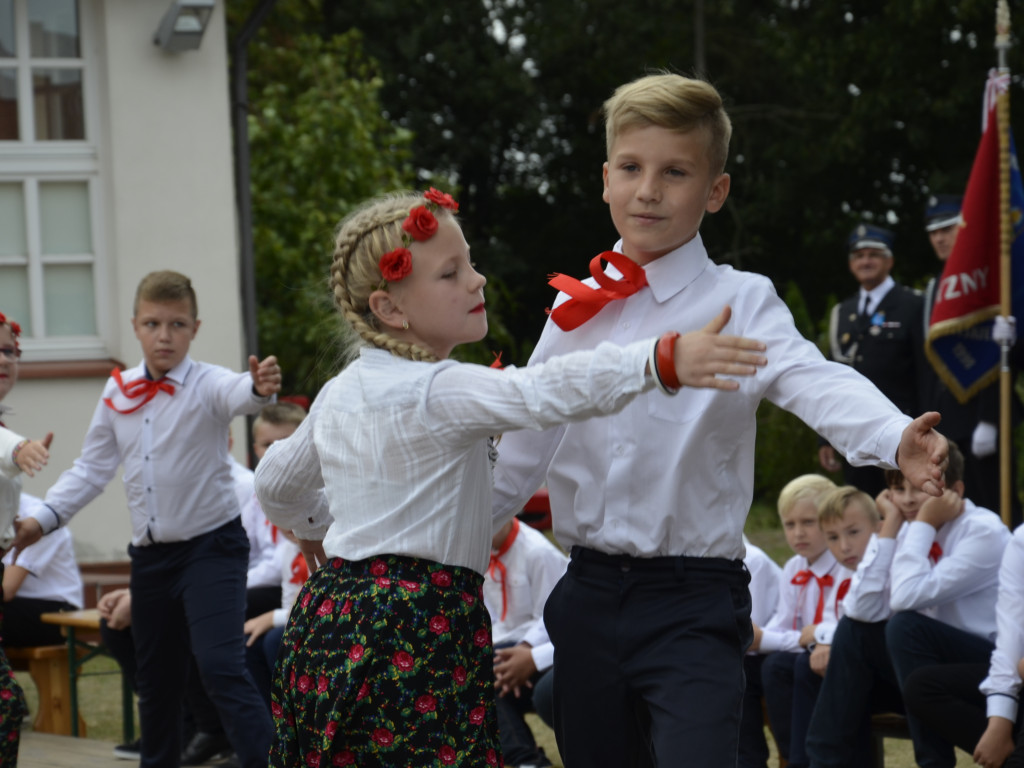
{"points": [[15, 328], [420, 225]]}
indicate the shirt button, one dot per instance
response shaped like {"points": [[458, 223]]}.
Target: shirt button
{"points": [[625, 324], [619, 450]]}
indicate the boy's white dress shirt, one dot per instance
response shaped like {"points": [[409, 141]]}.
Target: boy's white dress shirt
{"points": [[393, 456], [263, 567], [52, 569], [1002, 686], [533, 565], [798, 603], [765, 578], [177, 470], [675, 475], [959, 589], [868, 597], [291, 575]]}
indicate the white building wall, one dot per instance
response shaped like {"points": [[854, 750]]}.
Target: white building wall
{"points": [[169, 203]]}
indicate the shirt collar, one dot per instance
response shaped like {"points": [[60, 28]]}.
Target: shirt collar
{"points": [[824, 564], [177, 375], [878, 292], [671, 273]]}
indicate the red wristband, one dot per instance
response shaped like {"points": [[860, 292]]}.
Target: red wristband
{"points": [[667, 361]]}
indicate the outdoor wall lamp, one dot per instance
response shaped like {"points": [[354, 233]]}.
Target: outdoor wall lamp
{"points": [[182, 27]]}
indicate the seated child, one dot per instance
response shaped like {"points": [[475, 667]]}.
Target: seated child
{"points": [[976, 706], [44, 579], [942, 593], [806, 589], [524, 568], [765, 575]]}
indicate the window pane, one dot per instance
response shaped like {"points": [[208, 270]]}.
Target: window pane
{"points": [[68, 291], [12, 221], [14, 296], [8, 104], [7, 28], [53, 26], [58, 104], [64, 217]]}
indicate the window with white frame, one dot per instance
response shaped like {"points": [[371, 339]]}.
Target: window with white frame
{"points": [[49, 181]]}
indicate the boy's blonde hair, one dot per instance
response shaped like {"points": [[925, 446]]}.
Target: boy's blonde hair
{"points": [[675, 102], [362, 237], [813, 488], [277, 414], [163, 287], [834, 505]]}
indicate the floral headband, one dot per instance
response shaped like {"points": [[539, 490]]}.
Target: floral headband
{"points": [[419, 225], [15, 328]]}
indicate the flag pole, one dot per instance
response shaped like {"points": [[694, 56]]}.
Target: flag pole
{"points": [[1005, 238]]}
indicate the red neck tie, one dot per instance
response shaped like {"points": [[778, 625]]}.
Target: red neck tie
{"points": [[497, 568], [300, 571], [935, 552], [801, 579], [144, 388], [585, 302], [844, 587]]}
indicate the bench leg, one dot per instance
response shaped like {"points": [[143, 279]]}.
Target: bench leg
{"points": [[52, 681]]}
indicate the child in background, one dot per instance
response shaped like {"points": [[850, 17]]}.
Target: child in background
{"points": [[17, 455], [661, 492], [807, 586], [165, 421], [387, 656], [44, 579], [524, 568], [765, 575], [942, 593]]}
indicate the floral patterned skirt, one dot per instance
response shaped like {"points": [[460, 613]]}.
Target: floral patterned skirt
{"points": [[386, 662], [13, 708]]}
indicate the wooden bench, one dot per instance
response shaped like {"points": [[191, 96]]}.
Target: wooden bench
{"points": [[48, 665], [886, 725]]}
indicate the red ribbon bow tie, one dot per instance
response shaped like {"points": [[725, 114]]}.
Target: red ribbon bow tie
{"points": [[935, 552], [801, 579], [585, 302], [497, 570], [844, 587], [144, 388]]}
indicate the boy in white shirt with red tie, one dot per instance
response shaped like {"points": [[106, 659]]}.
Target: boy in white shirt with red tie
{"points": [[945, 555], [165, 422], [806, 591]]}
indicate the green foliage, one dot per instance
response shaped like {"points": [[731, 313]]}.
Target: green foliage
{"points": [[319, 146]]}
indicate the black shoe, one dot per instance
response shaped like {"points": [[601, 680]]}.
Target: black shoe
{"points": [[131, 751], [205, 747]]}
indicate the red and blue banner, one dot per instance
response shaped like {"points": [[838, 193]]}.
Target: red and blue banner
{"points": [[967, 298]]}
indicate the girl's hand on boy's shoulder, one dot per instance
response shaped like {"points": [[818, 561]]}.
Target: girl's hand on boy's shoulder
{"points": [[266, 375], [31, 455], [701, 357]]}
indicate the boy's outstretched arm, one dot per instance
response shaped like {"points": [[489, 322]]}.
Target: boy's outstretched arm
{"points": [[923, 454], [266, 375]]}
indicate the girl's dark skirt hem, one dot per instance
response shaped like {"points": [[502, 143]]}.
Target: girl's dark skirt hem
{"points": [[386, 662]]}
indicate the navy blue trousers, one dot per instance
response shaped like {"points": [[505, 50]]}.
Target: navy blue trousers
{"points": [[790, 691], [191, 595], [649, 659]]}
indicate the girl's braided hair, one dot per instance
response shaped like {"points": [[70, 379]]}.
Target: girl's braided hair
{"points": [[362, 237]]}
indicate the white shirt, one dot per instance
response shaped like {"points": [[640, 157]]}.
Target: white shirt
{"points": [[961, 588], [292, 573], [876, 294], [765, 575], [868, 597], [177, 471], [675, 475], [533, 565], [393, 456], [263, 568], [798, 603], [1002, 686], [52, 569]]}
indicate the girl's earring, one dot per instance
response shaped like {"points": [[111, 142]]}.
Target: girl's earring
{"points": [[405, 325]]}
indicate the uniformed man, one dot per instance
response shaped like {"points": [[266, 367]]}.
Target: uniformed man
{"points": [[880, 332], [972, 426]]}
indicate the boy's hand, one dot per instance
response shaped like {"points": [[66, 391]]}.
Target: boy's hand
{"points": [[939, 511], [27, 532], [258, 625], [995, 744], [32, 455], [513, 668], [827, 459], [807, 635], [702, 356], [819, 659], [923, 454], [759, 633], [892, 518], [116, 608], [266, 375]]}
